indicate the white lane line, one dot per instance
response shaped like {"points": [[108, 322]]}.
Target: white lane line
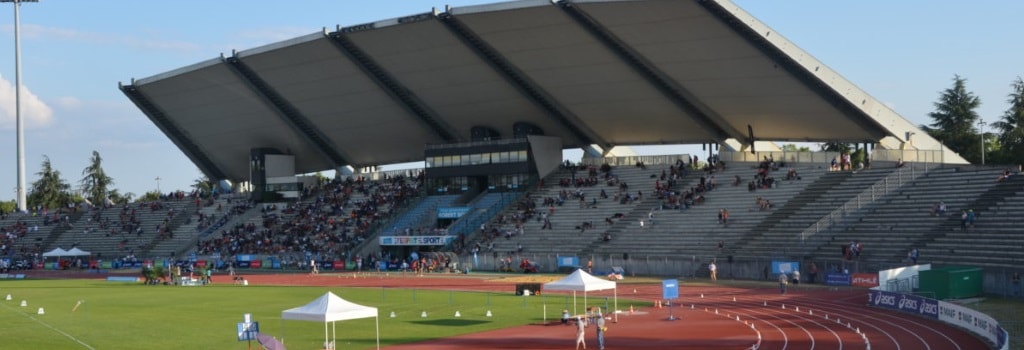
{"points": [[44, 324]]}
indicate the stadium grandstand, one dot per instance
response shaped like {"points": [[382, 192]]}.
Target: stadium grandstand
{"points": [[487, 98]]}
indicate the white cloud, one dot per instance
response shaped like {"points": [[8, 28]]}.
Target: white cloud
{"points": [[111, 144], [36, 113], [78, 36], [261, 36], [69, 102]]}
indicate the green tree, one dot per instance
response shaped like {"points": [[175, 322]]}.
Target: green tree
{"points": [[204, 186], [1011, 127], [954, 118], [8, 206], [95, 182], [118, 199], [150, 196], [789, 147], [50, 190], [836, 147]]}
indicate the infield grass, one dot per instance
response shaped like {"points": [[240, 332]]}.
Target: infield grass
{"points": [[115, 315]]}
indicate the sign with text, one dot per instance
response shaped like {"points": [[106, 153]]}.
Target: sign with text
{"points": [[786, 267], [568, 261], [865, 280], [669, 289], [837, 279], [248, 330], [908, 303], [974, 321], [415, 240], [451, 212]]}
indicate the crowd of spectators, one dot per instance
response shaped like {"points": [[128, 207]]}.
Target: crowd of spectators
{"points": [[12, 232], [329, 222]]}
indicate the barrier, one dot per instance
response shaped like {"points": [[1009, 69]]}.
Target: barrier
{"points": [[972, 320]]}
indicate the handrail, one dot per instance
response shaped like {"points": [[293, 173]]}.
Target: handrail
{"points": [[887, 185]]}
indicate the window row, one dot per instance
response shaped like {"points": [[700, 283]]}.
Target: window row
{"points": [[476, 159]]}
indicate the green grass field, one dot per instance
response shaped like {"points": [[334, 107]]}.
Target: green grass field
{"points": [[116, 315]]}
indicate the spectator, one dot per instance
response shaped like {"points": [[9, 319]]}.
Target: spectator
{"points": [[792, 175], [1005, 176], [963, 220], [939, 209], [812, 273], [1015, 282], [912, 255], [783, 281], [713, 271], [580, 334]]}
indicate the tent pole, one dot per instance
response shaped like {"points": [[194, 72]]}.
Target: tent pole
{"points": [[376, 325], [326, 344], [334, 334], [615, 292]]}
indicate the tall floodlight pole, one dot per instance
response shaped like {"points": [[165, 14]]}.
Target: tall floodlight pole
{"points": [[981, 131], [20, 123]]}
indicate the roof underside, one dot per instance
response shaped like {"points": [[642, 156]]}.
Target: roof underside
{"points": [[590, 72]]}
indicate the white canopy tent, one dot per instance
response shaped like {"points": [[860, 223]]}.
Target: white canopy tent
{"points": [[332, 308], [56, 252], [77, 252], [582, 281]]}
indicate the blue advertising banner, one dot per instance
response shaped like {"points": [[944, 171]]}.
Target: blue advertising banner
{"points": [[451, 212], [248, 330], [786, 267], [669, 289], [568, 261], [908, 303], [837, 279], [416, 240]]}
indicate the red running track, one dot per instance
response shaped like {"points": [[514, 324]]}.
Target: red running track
{"points": [[710, 318]]}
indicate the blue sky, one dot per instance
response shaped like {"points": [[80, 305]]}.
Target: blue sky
{"points": [[74, 53]]}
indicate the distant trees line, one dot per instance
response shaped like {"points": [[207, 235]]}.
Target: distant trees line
{"points": [[51, 191]]}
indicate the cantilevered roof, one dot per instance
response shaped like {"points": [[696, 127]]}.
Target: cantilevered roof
{"points": [[594, 73]]}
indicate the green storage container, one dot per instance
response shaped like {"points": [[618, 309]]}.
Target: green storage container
{"points": [[267, 264], [952, 282]]}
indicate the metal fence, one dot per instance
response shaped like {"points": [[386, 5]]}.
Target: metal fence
{"points": [[881, 188]]}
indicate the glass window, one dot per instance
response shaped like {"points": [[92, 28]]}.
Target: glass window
{"points": [[474, 159], [503, 156], [495, 158], [522, 156]]}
